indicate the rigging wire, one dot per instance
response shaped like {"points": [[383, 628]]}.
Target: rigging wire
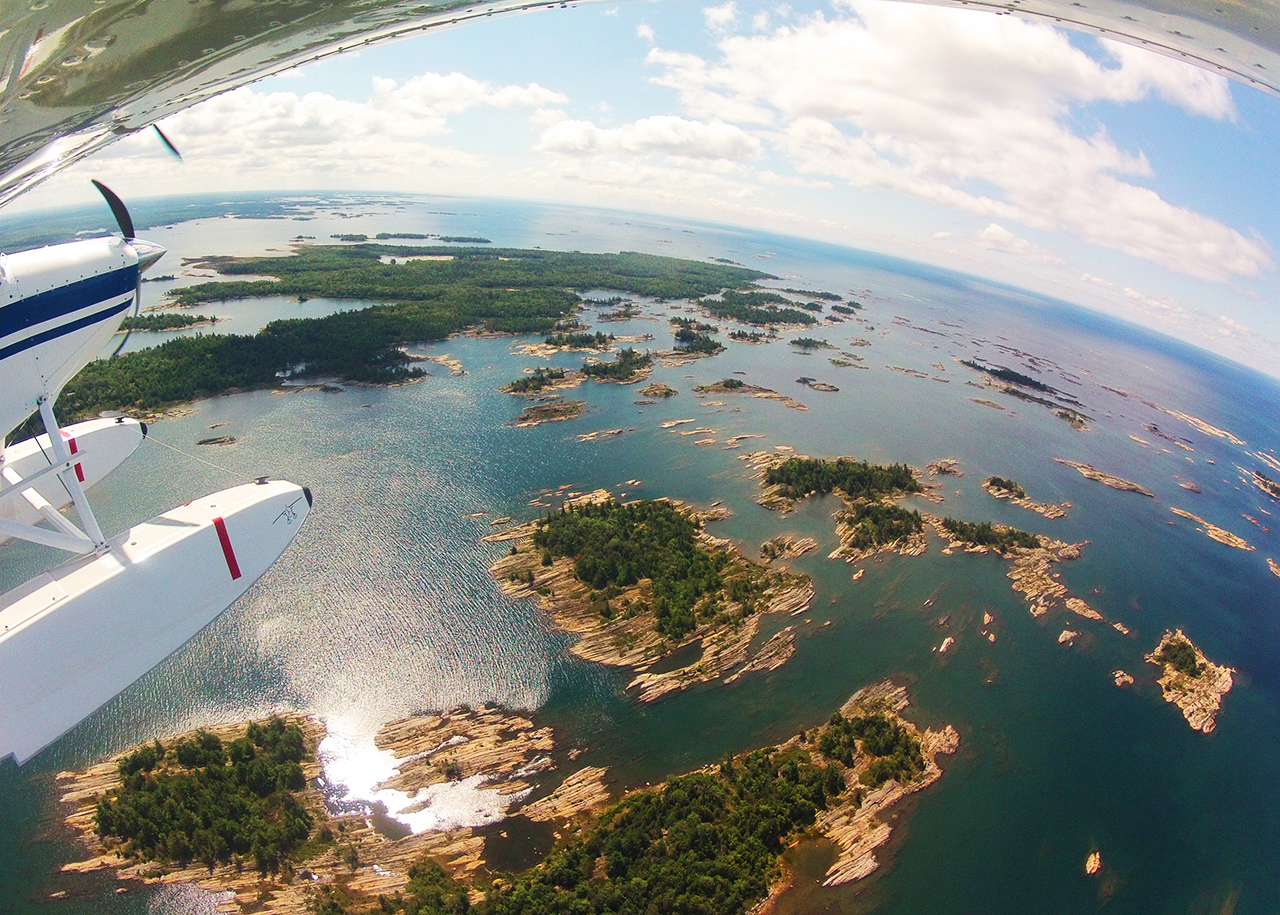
{"points": [[239, 475]]}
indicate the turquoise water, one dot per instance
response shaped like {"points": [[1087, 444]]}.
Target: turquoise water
{"points": [[384, 605]]}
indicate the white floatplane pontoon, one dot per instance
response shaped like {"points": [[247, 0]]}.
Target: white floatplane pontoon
{"points": [[75, 636]]}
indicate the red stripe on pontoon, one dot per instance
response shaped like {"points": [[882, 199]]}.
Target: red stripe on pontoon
{"points": [[79, 468], [230, 554]]}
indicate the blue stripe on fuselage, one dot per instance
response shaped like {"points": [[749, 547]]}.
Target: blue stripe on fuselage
{"points": [[64, 300], [62, 329]]}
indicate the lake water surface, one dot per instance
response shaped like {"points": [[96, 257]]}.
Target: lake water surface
{"points": [[384, 605]]}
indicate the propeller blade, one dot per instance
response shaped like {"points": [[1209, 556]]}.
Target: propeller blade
{"points": [[168, 144], [137, 306], [118, 209]]}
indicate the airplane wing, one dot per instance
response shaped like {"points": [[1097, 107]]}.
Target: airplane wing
{"points": [[77, 74]]}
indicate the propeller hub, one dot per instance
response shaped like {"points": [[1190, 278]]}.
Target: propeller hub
{"points": [[148, 252]]}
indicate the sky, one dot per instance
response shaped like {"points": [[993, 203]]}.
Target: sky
{"points": [[1088, 170]]}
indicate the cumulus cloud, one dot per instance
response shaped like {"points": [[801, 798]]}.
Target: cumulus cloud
{"points": [[1231, 327], [645, 32], [721, 18], [997, 238], [773, 178], [941, 235], [1157, 306], [389, 132], [662, 134], [969, 111]]}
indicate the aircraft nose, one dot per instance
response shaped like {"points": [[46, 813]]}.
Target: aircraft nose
{"points": [[148, 252]]}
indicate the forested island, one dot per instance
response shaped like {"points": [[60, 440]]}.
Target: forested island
{"points": [[1014, 381], [710, 841], [635, 581], [1190, 680], [198, 800], [536, 381], [495, 290], [816, 294], [760, 307], [998, 537], [694, 337], [792, 478], [596, 341], [1009, 375], [809, 344], [1266, 484], [167, 320], [871, 522], [629, 366], [1001, 488]]}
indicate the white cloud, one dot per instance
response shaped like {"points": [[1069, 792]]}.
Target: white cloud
{"points": [[1232, 327], [1164, 307], [721, 18], [420, 107], [776, 180], [969, 111], [545, 117], [941, 235], [760, 21], [1097, 281], [691, 141], [248, 133], [1232, 335], [645, 32], [997, 238]]}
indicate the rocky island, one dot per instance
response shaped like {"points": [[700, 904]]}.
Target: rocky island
{"points": [[870, 522], [1214, 532], [737, 386], [839, 781], [1007, 489], [321, 855], [659, 390], [549, 411], [1190, 681], [544, 379], [785, 546], [1090, 472], [636, 581], [859, 825]]}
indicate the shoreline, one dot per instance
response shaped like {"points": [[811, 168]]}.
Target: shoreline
{"points": [[1050, 510], [859, 831], [1092, 473], [1200, 696], [509, 750], [1213, 532], [499, 748], [633, 641]]}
